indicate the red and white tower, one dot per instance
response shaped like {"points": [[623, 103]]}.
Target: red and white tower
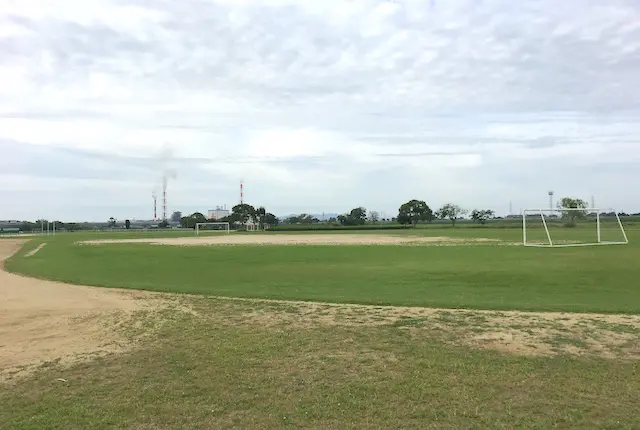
{"points": [[155, 202]]}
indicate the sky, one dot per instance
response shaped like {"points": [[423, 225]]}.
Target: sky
{"points": [[316, 106]]}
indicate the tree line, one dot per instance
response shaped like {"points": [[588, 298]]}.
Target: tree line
{"points": [[410, 213], [241, 214], [418, 211]]}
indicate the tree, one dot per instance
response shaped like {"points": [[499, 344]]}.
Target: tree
{"points": [[260, 214], [357, 216], [451, 211], [300, 219], [374, 217], [570, 217], [270, 219], [176, 216], [242, 213], [163, 224], [112, 222], [190, 221], [127, 224], [413, 211], [481, 215]]}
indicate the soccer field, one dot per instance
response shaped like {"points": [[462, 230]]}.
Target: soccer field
{"points": [[413, 329], [470, 268]]}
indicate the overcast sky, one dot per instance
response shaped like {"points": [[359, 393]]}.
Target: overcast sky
{"points": [[316, 105]]}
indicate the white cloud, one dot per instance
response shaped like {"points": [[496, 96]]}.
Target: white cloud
{"points": [[317, 105]]}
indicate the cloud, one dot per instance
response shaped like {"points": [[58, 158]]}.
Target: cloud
{"points": [[317, 106]]}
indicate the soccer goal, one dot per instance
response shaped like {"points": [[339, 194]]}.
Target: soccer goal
{"points": [[222, 227], [564, 227]]}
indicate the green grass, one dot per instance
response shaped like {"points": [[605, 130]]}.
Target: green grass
{"points": [[589, 279], [248, 364], [215, 371]]}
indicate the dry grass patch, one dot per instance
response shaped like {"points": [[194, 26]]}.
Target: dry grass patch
{"points": [[523, 333]]}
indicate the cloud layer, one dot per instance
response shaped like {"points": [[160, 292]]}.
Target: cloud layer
{"points": [[317, 106]]}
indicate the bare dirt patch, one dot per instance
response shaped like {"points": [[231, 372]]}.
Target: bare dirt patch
{"points": [[521, 333], [297, 239], [43, 321]]}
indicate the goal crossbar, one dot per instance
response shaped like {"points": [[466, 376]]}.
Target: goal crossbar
{"points": [[597, 211], [224, 225]]}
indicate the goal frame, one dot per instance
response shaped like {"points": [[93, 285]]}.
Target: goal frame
{"points": [[550, 243], [226, 224]]}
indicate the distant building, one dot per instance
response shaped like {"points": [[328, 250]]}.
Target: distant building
{"points": [[217, 213]]}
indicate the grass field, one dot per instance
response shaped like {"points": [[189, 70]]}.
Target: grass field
{"points": [[227, 363], [589, 279]]}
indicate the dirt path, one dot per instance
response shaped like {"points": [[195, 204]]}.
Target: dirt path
{"points": [[42, 321], [298, 239]]}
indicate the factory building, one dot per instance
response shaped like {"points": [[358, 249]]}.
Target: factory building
{"points": [[218, 213]]}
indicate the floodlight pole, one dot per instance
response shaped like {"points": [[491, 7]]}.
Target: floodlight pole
{"points": [[598, 226]]}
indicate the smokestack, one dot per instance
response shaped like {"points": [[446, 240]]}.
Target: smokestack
{"points": [[155, 200], [164, 198], [241, 192], [168, 172]]}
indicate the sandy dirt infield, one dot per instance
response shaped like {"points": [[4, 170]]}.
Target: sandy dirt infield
{"points": [[295, 239], [42, 321]]}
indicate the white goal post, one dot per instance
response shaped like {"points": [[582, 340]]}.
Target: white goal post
{"points": [[529, 215], [222, 226]]}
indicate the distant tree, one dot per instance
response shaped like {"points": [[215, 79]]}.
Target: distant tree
{"points": [[413, 211], [242, 213], [300, 219], [260, 214], [374, 217], [270, 219], [357, 216], [451, 211], [112, 222], [190, 221], [571, 217], [163, 224], [176, 216], [127, 224], [481, 215]]}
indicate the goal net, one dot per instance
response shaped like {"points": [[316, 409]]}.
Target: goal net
{"points": [[208, 227], [564, 227]]}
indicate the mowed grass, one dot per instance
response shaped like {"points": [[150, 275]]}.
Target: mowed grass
{"points": [[219, 370], [589, 279]]}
